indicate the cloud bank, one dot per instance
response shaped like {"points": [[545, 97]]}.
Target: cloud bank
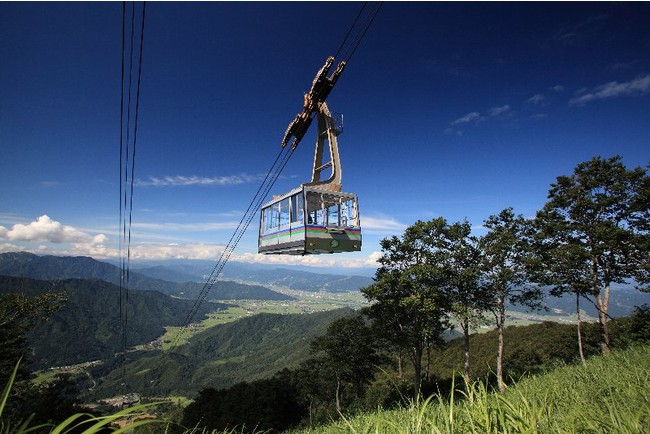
{"points": [[44, 229]]}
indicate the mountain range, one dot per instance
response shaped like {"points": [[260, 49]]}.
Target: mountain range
{"points": [[295, 278], [24, 264]]}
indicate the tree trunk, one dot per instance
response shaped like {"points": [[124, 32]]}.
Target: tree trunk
{"points": [[400, 367], [428, 367], [417, 367], [338, 394], [466, 367], [500, 326], [580, 350], [603, 304]]}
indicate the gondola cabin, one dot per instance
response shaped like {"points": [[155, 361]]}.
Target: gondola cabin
{"points": [[309, 220], [316, 217]]}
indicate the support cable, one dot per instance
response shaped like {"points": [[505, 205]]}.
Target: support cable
{"points": [[128, 142], [360, 31]]}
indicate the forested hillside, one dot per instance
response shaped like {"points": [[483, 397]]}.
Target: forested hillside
{"points": [[87, 327], [249, 349], [24, 264]]}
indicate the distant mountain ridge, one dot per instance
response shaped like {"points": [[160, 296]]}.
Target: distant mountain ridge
{"points": [[24, 264], [293, 278], [88, 326]]}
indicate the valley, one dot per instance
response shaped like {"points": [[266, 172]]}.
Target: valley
{"points": [[253, 323]]}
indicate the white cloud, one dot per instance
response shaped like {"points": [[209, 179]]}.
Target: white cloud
{"points": [[176, 251], [183, 181], [319, 261], [614, 89], [44, 229], [557, 88], [7, 247], [3, 231], [469, 117], [475, 117], [498, 111], [537, 99], [380, 225]]}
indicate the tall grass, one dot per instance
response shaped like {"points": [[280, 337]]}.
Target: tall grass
{"points": [[610, 395]]}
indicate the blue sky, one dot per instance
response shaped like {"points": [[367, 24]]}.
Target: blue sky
{"points": [[451, 109]]}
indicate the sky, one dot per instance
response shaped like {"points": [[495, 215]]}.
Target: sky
{"points": [[454, 110]]}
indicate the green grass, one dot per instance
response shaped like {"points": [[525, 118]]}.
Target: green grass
{"points": [[610, 395]]}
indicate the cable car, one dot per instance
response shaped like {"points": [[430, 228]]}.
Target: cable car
{"points": [[309, 220], [316, 217]]}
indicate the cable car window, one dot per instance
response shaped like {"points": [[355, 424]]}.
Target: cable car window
{"points": [[265, 220], [275, 216], [348, 213], [314, 206], [284, 212], [297, 214], [333, 215]]}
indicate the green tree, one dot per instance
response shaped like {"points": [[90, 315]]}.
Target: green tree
{"points": [[408, 303], [18, 315], [596, 232], [349, 354], [268, 405], [506, 257], [560, 264], [469, 298]]}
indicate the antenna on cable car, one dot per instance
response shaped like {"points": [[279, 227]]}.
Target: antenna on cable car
{"points": [[316, 217]]}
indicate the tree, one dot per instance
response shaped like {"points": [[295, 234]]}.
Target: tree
{"points": [[18, 315], [409, 306], [268, 405], [469, 298], [561, 264], [596, 223], [506, 254], [349, 354]]}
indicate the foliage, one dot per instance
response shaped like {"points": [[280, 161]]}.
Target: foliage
{"points": [[409, 306], [594, 231], [470, 299], [633, 329], [19, 313], [348, 356], [506, 255], [269, 405]]}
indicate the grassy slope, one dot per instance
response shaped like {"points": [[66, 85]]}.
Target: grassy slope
{"points": [[612, 394]]}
